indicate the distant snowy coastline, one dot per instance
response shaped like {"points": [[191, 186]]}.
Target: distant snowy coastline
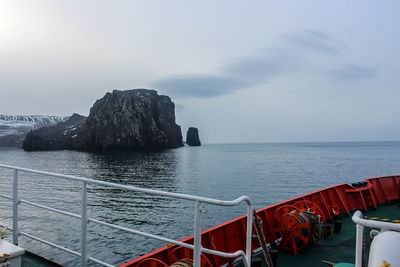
{"points": [[14, 128]]}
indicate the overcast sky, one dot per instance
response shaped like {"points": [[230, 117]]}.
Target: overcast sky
{"points": [[240, 71]]}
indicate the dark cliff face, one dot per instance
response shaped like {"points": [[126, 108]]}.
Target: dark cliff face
{"points": [[192, 137], [132, 119], [121, 120], [57, 137]]}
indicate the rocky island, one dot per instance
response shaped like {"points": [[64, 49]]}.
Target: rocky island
{"points": [[55, 137], [192, 137], [121, 120]]}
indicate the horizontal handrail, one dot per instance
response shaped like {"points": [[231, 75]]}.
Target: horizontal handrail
{"points": [[10, 198], [51, 209], [59, 247], [360, 224], [50, 243], [213, 201], [167, 240], [63, 248], [197, 236], [358, 219], [224, 254], [100, 262]]}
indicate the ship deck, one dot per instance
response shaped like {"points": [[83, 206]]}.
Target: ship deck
{"points": [[337, 248], [281, 224]]}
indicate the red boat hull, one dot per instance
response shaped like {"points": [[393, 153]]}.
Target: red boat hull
{"points": [[231, 236]]}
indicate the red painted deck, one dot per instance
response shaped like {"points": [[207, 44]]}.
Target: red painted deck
{"points": [[231, 236]]}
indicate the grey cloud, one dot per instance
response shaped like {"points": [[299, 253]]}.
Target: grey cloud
{"points": [[351, 73], [254, 70], [313, 40], [260, 69], [239, 75], [201, 86]]}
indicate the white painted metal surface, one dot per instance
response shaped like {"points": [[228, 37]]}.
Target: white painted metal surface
{"points": [[385, 249], [10, 254], [199, 209], [360, 223], [359, 245], [15, 207], [84, 222]]}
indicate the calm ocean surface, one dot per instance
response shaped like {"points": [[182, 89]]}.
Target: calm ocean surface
{"points": [[267, 173]]}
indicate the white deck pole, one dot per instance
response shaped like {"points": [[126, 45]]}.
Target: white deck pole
{"points": [[15, 208]]}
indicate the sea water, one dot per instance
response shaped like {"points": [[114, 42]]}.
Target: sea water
{"points": [[267, 173]]}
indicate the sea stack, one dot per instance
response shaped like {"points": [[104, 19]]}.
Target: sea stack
{"points": [[134, 119], [192, 137]]}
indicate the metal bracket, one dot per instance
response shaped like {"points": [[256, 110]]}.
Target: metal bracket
{"points": [[203, 208]]}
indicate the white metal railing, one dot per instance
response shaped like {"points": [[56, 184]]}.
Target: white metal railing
{"points": [[199, 209], [360, 223]]}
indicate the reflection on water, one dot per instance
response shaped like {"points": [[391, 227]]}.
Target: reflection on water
{"points": [[268, 173], [155, 170], [149, 169]]}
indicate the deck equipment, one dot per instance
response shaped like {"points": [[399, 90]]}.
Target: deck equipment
{"points": [[300, 224]]}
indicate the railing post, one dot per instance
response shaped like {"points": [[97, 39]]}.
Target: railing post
{"points": [[84, 226], [249, 233], [359, 244], [15, 208], [197, 235]]}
